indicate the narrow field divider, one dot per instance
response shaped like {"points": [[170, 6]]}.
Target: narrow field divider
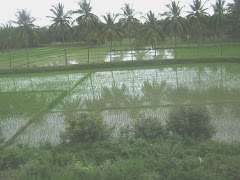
{"points": [[149, 107]]}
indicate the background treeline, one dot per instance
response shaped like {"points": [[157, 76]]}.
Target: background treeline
{"points": [[151, 29]]}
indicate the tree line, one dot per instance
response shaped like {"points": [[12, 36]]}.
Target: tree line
{"points": [[156, 28]]}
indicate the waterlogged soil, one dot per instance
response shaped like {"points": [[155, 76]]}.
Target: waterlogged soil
{"points": [[121, 96]]}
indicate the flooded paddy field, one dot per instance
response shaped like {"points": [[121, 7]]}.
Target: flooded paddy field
{"points": [[120, 96]]}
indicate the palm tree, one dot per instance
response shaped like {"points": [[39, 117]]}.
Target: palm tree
{"points": [[175, 22], [219, 18], [86, 20], [129, 22], [151, 31], [234, 17], [25, 27], [8, 40], [234, 7], [197, 18], [110, 30], [61, 22]]}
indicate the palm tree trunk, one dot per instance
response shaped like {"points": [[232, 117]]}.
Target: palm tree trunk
{"points": [[88, 39], [10, 56], [198, 45], [175, 41], [155, 50], [198, 48], [129, 31], [27, 59], [65, 52], [98, 49], [26, 41], [88, 51], [221, 48], [131, 47], [175, 37], [111, 51]]}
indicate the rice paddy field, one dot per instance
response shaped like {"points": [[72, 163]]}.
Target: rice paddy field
{"points": [[33, 107], [54, 56]]}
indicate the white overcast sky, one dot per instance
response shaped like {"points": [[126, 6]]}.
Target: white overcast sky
{"points": [[40, 8]]}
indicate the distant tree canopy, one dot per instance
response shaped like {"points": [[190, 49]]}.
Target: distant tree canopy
{"points": [[88, 27]]}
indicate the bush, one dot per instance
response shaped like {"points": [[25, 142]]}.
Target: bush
{"points": [[144, 127], [86, 127], [191, 121], [148, 128]]}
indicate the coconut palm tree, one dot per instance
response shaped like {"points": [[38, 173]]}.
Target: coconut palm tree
{"points": [[219, 17], [25, 28], [86, 20], [234, 17], [197, 17], [8, 40], [175, 22], [110, 30], [61, 23], [151, 32], [129, 22], [234, 7]]}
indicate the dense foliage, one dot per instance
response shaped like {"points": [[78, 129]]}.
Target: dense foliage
{"points": [[86, 127], [195, 26], [191, 121], [147, 155]]}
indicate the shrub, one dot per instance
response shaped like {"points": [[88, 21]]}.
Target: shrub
{"points": [[144, 127], [86, 127], [148, 128], [191, 121]]}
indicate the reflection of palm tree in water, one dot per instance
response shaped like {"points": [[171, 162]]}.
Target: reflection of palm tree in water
{"points": [[154, 94]]}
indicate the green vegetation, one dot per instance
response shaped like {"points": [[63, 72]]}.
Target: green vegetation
{"points": [[144, 127], [158, 157], [175, 117], [193, 122], [90, 41], [86, 128]]}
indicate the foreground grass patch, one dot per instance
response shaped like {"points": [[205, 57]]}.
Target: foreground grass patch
{"points": [[124, 159]]}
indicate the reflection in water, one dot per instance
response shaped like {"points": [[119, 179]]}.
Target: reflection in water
{"points": [[140, 55], [73, 62], [121, 96]]}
